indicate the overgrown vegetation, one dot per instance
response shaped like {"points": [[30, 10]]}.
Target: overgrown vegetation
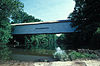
{"points": [[60, 55], [23, 17], [7, 9], [5, 53], [86, 18], [77, 55], [45, 41]]}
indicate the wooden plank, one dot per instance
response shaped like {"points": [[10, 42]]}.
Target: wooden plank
{"points": [[43, 28]]}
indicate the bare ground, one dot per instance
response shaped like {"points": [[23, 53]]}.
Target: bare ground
{"points": [[28, 60], [57, 63]]}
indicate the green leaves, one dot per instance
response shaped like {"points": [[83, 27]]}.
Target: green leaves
{"points": [[5, 31], [7, 9], [86, 17], [60, 55], [23, 17], [77, 55], [41, 41], [5, 53]]}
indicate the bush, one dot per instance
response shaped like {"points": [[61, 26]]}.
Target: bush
{"points": [[92, 56], [60, 55], [5, 53], [77, 55]]}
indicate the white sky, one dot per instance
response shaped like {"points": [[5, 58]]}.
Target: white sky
{"points": [[49, 10]]}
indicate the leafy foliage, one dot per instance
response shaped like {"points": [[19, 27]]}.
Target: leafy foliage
{"points": [[5, 30], [61, 41], [5, 53], [23, 17], [77, 55], [85, 18], [41, 41], [85, 15], [60, 55], [7, 8]]}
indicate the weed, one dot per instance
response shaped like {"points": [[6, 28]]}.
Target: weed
{"points": [[5, 53], [77, 55], [60, 54]]}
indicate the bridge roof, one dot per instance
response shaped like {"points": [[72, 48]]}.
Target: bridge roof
{"points": [[30, 23]]}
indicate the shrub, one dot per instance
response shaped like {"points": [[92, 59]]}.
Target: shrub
{"points": [[77, 55], [5, 53], [60, 55], [92, 56]]}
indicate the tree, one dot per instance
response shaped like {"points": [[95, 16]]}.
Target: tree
{"points": [[23, 17], [86, 17], [7, 9]]}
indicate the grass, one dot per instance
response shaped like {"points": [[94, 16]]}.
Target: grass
{"points": [[34, 52], [44, 52], [77, 55]]}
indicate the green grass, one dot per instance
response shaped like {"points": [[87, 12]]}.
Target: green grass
{"points": [[35, 52], [77, 55]]}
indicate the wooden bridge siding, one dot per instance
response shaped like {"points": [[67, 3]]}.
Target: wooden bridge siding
{"points": [[45, 28]]}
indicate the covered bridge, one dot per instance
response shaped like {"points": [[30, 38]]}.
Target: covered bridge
{"points": [[49, 27], [32, 28]]}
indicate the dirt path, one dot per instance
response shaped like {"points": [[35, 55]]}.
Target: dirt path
{"points": [[58, 63], [28, 60]]}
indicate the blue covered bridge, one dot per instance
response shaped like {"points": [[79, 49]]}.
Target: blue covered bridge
{"points": [[50, 27]]}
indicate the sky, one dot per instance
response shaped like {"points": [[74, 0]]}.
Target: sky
{"points": [[49, 10]]}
